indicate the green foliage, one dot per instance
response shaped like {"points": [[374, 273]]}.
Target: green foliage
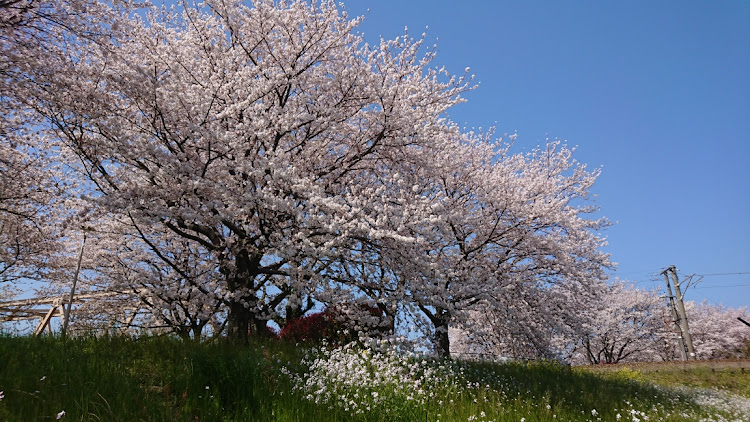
{"points": [[163, 379]]}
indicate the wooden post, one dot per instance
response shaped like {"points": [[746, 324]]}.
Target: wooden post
{"points": [[44, 322]]}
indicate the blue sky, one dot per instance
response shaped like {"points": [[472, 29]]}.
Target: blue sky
{"points": [[655, 93]]}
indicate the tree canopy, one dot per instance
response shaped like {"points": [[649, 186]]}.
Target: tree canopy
{"points": [[255, 158]]}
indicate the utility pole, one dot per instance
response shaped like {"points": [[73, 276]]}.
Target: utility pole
{"points": [[66, 314], [683, 316], [675, 319]]}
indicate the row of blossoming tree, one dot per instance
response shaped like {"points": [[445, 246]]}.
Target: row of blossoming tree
{"points": [[622, 323], [234, 164]]}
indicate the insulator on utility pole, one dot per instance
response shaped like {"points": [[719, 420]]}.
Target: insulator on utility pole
{"points": [[683, 315]]}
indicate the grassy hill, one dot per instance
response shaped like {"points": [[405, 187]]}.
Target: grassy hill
{"points": [[158, 379]]}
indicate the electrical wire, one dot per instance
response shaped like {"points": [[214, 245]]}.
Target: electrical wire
{"points": [[712, 287]]}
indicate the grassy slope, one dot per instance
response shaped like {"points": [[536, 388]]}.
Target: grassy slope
{"points": [[731, 376], [166, 380]]}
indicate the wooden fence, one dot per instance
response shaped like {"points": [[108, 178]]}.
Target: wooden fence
{"points": [[46, 308]]}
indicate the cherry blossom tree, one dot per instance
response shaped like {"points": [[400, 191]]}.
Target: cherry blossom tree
{"points": [[608, 322], [505, 231], [716, 331], [636, 325], [32, 200], [625, 324], [545, 324], [259, 157], [620, 323], [24, 206], [269, 135], [170, 282], [512, 228]]}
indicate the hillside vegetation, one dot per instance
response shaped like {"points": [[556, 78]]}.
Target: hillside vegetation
{"points": [[160, 379]]}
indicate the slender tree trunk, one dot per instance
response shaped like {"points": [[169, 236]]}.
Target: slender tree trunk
{"points": [[590, 353], [197, 329]]}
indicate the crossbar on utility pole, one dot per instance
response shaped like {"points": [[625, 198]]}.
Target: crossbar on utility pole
{"points": [[675, 318], [683, 315]]}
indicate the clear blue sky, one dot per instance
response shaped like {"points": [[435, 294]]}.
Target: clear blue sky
{"points": [[655, 93]]}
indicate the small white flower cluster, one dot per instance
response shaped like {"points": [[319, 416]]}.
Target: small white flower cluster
{"points": [[358, 380], [481, 418], [736, 406]]}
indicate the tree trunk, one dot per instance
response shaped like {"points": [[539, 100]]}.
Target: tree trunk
{"points": [[197, 329], [241, 276], [294, 310], [442, 341], [441, 320], [259, 327], [238, 322], [389, 328]]}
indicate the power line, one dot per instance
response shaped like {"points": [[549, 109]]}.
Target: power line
{"points": [[655, 274], [726, 285], [653, 280]]}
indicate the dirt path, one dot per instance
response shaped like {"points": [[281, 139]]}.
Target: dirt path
{"points": [[741, 365]]}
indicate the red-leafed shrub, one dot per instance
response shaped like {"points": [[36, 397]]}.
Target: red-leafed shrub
{"points": [[331, 325], [312, 328]]}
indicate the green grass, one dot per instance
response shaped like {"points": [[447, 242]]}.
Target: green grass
{"points": [[160, 379], [151, 379], [731, 379], [730, 376]]}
